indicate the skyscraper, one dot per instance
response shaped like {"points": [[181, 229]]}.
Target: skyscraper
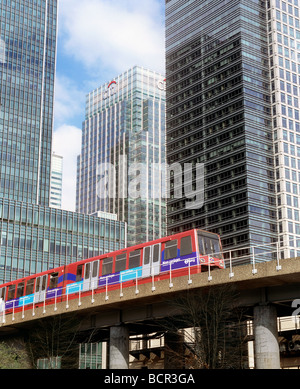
{"points": [[28, 35], [226, 64], [123, 150], [56, 180], [35, 237]]}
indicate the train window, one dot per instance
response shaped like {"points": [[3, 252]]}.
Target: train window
{"points": [[186, 245], [107, 266], [147, 255], [134, 259], [2, 293], [212, 246], [44, 282], [156, 253], [120, 262], [171, 249], [11, 292], [79, 273], [209, 245], [20, 289], [87, 270], [53, 280], [29, 287], [95, 269]]}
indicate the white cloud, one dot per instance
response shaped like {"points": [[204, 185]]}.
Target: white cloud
{"points": [[69, 100], [114, 34], [67, 143], [98, 39]]}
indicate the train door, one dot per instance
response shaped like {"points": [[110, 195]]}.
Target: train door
{"points": [[91, 275], [151, 260], [40, 288]]}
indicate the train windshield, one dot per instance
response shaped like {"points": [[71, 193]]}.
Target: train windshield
{"points": [[209, 245]]}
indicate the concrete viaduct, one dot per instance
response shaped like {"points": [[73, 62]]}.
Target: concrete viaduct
{"points": [[268, 291]]}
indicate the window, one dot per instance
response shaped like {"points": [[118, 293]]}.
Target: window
{"points": [[11, 292], [95, 269], [53, 280], [20, 289], [186, 245], [29, 287], [146, 255], [156, 253], [87, 270], [134, 259], [120, 262], [107, 266], [79, 273], [171, 249]]}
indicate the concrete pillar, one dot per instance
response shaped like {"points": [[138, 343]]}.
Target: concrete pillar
{"points": [[266, 347], [119, 348]]}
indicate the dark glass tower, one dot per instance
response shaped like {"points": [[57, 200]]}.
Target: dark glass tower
{"points": [[35, 237], [219, 114], [27, 70]]}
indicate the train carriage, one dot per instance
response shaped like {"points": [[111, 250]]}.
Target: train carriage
{"points": [[181, 254]]}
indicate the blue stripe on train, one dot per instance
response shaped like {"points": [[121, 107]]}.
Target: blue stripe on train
{"points": [[179, 262]]}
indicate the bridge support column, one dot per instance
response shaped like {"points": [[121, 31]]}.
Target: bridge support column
{"points": [[266, 347], [119, 348]]}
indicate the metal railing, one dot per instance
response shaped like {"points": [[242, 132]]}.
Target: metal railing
{"points": [[251, 255]]}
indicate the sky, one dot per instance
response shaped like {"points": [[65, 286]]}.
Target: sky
{"points": [[97, 41]]}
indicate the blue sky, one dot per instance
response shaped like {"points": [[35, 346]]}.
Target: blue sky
{"points": [[98, 40]]}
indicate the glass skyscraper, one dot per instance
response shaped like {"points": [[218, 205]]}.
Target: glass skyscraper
{"points": [[226, 64], [56, 180], [28, 33], [35, 237], [121, 165]]}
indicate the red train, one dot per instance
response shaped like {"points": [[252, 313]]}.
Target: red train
{"points": [[181, 254]]}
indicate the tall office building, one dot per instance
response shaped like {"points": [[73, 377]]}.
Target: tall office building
{"points": [[120, 169], [35, 237], [28, 35], [56, 180], [232, 106]]}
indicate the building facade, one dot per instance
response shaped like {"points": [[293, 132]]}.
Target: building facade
{"points": [[56, 180], [284, 50], [223, 80], [35, 237], [123, 150], [27, 72]]}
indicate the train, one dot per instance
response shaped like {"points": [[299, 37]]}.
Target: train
{"points": [[183, 253]]}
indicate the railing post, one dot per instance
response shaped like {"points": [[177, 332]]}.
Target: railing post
{"points": [[278, 267], [33, 306], [121, 287], [136, 283], [13, 314], [3, 315], [231, 273], [189, 280], [254, 270], [55, 298], [153, 287], [106, 288], [93, 300], [67, 297], [171, 283], [209, 275], [79, 295], [44, 310], [23, 308]]}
